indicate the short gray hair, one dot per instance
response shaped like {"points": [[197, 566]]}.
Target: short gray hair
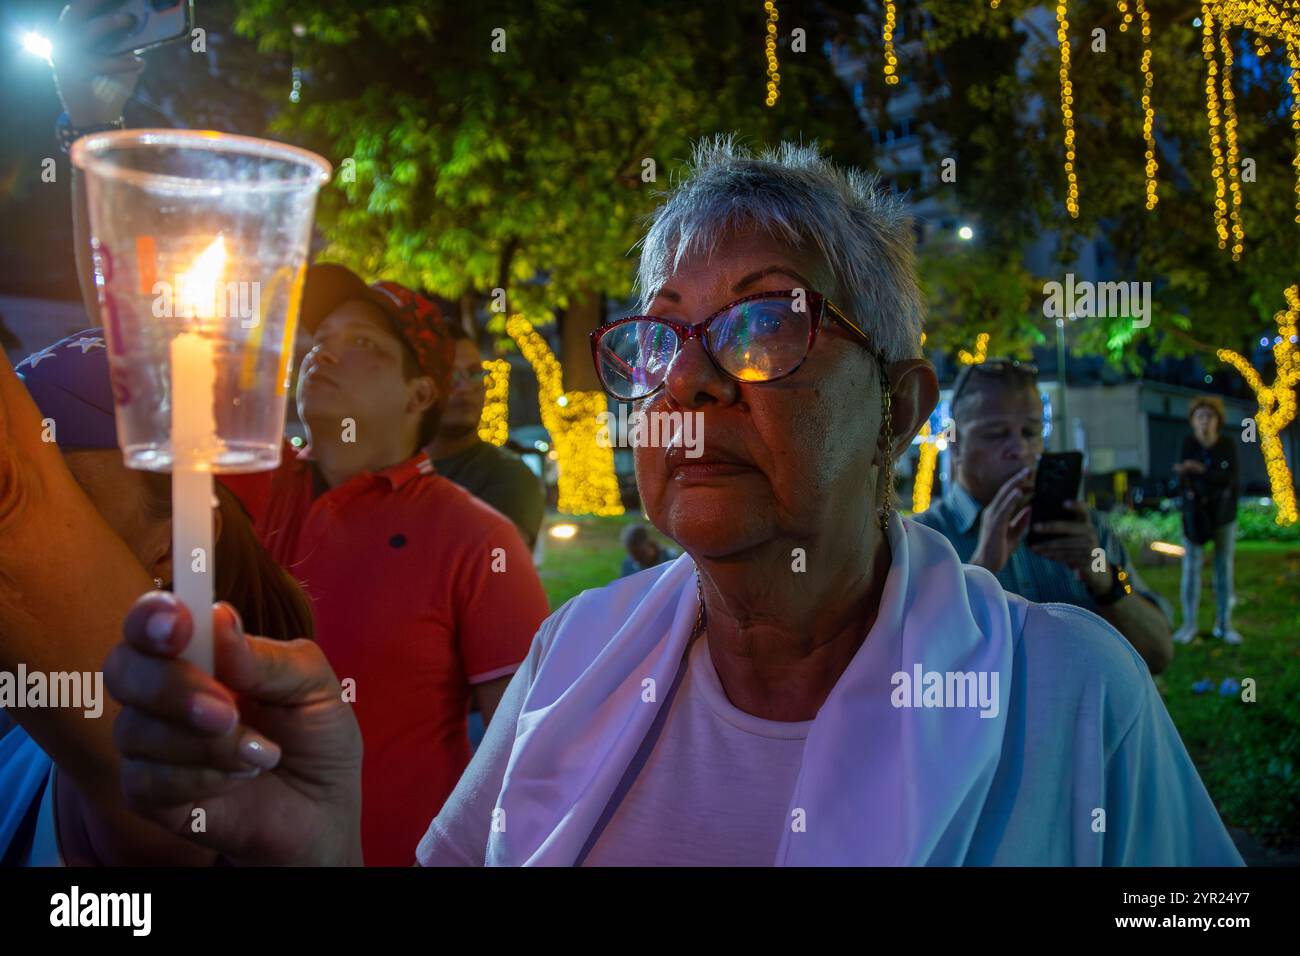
{"points": [[794, 193]]}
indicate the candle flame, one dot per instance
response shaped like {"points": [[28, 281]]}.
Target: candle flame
{"points": [[199, 286]]}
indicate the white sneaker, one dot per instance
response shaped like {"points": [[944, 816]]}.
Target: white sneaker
{"points": [[1185, 634], [1228, 636]]}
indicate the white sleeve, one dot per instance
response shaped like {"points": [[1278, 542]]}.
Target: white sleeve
{"points": [[1162, 814]]}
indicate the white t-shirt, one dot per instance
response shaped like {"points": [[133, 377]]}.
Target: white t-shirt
{"points": [[697, 801], [679, 810]]}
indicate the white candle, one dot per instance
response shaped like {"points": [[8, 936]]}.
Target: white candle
{"points": [[193, 381]]}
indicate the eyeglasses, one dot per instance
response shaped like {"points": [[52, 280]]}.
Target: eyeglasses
{"points": [[1026, 371], [760, 338]]}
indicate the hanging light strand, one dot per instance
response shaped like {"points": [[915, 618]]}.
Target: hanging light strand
{"points": [[891, 61], [1212, 114], [1230, 140], [769, 47], [1148, 107], [1067, 110], [1293, 79]]}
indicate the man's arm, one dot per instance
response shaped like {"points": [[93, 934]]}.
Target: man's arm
{"points": [[487, 696], [1135, 616], [1139, 616], [1145, 626]]}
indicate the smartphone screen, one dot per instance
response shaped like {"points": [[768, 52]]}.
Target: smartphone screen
{"points": [[1056, 482]]}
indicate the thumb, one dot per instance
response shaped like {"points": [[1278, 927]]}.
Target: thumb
{"points": [[264, 670]]}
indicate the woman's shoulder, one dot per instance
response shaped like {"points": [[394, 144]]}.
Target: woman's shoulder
{"points": [[1071, 654]]}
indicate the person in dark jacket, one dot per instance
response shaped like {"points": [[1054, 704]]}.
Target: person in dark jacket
{"points": [[1208, 469]]}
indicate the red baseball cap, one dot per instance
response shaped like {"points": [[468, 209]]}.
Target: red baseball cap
{"points": [[417, 320]]}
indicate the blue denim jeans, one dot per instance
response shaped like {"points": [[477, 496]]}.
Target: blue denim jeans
{"points": [[1193, 559]]}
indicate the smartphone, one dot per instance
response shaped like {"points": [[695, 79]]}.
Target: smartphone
{"points": [[1057, 481], [154, 22]]}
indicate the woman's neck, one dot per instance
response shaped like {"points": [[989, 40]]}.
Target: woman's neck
{"points": [[779, 639]]}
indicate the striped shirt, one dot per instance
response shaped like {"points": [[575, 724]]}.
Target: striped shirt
{"points": [[957, 516]]}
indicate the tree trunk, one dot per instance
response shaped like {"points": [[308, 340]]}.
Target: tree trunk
{"points": [[586, 311]]}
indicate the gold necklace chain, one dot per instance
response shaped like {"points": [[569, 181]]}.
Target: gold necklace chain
{"points": [[699, 618]]}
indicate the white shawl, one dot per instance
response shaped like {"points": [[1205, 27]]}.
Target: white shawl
{"points": [[879, 784]]}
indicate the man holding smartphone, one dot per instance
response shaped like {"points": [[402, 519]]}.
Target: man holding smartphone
{"points": [[987, 517]]}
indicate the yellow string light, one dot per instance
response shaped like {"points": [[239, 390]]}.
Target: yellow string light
{"points": [[1148, 108], [587, 483], [1280, 23], [1293, 56], [1277, 403], [1212, 114], [1268, 22], [979, 355], [1128, 17], [1067, 110], [923, 485], [891, 61], [769, 46], [1230, 139], [494, 423]]}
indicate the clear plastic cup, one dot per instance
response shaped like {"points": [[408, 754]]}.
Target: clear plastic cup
{"points": [[200, 243]]}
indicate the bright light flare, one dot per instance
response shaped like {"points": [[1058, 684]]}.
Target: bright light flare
{"points": [[1164, 547], [563, 531], [37, 45]]}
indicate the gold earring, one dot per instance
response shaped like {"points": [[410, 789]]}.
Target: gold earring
{"points": [[886, 507]]}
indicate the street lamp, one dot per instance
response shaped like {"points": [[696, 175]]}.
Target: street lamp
{"points": [[1060, 378]]}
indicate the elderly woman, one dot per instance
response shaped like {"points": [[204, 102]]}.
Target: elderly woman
{"points": [[816, 680]]}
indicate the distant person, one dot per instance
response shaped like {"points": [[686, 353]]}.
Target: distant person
{"points": [[643, 551], [999, 420], [1208, 473], [487, 472]]}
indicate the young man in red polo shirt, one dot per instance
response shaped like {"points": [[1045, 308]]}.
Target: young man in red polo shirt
{"points": [[424, 596]]}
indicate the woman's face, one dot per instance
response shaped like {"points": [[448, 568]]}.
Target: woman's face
{"points": [[785, 459], [1206, 423]]}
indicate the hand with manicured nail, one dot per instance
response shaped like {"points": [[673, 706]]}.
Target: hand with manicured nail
{"points": [[265, 746]]}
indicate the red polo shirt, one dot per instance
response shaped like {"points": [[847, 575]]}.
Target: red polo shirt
{"points": [[420, 591]]}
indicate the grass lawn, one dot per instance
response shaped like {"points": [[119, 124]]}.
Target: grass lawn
{"points": [[590, 559], [1248, 753]]}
